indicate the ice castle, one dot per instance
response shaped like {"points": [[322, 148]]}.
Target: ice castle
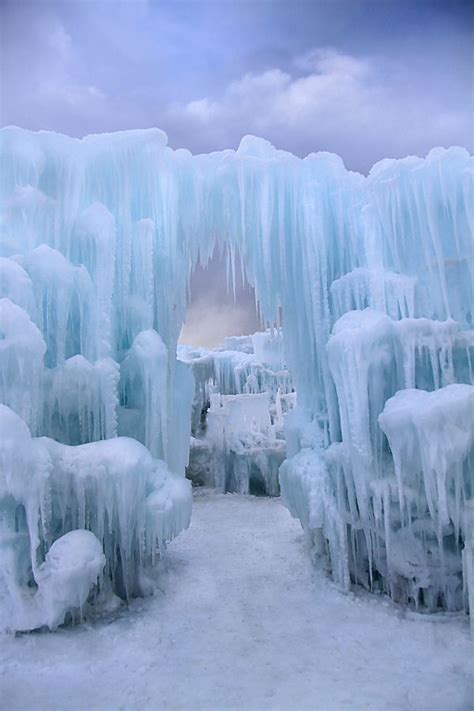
{"points": [[373, 276]]}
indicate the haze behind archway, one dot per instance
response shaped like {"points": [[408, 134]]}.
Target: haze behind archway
{"points": [[215, 310]]}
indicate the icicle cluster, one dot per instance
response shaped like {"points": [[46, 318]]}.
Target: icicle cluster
{"points": [[240, 399], [321, 245], [80, 506]]}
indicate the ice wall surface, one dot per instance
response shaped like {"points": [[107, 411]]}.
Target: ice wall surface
{"points": [[124, 218]]}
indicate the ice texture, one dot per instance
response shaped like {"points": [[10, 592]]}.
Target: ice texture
{"points": [[22, 349], [130, 504], [144, 376], [321, 245], [81, 398], [64, 303], [431, 436], [16, 285], [72, 567], [240, 400]]}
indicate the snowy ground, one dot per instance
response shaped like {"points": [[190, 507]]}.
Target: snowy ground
{"points": [[241, 622]]}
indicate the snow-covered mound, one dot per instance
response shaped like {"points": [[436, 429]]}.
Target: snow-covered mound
{"points": [[102, 235]]}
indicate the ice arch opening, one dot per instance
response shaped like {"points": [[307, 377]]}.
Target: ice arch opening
{"points": [[374, 276], [242, 384], [221, 302]]}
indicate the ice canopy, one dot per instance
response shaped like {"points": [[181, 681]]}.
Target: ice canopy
{"points": [[373, 276]]}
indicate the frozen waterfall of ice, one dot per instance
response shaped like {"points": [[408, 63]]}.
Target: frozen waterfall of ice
{"points": [[373, 276]]}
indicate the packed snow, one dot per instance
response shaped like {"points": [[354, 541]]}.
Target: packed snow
{"points": [[241, 620]]}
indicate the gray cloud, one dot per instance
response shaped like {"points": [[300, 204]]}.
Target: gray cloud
{"points": [[340, 103], [208, 321], [216, 309]]}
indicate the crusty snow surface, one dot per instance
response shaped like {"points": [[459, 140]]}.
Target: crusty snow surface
{"points": [[241, 621]]}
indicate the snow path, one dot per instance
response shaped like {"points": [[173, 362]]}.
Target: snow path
{"points": [[241, 622]]}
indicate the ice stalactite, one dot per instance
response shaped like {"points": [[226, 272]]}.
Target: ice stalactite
{"points": [[379, 290], [93, 246]]}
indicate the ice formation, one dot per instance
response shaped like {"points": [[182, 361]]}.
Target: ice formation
{"points": [[431, 437], [241, 397], [80, 400], [144, 374], [373, 276], [111, 494]]}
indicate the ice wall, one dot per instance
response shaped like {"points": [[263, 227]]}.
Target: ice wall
{"points": [[317, 242]]}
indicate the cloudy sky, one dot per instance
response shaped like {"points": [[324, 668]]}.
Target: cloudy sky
{"points": [[364, 78]]}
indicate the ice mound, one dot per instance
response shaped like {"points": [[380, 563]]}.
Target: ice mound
{"points": [[130, 504], [431, 436], [72, 566], [307, 491], [144, 380], [393, 513]]}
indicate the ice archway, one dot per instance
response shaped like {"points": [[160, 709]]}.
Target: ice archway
{"points": [[374, 276]]}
